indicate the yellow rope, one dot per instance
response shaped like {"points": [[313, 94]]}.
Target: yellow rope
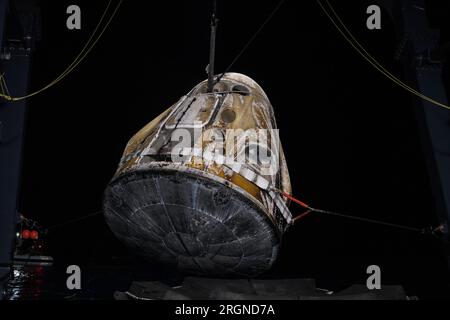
{"points": [[363, 52], [80, 57], [1, 84], [89, 40], [5, 86]]}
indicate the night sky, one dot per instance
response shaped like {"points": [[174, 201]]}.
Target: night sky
{"points": [[350, 136]]}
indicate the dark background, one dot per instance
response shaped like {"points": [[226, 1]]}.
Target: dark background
{"points": [[350, 136]]}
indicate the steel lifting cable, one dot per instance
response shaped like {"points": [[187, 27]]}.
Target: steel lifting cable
{"points": [[90, 44], [310, 210], [96, 213], [269, 17], [351, 39]]}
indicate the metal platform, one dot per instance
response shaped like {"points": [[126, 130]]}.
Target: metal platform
{"points": [[194, 288]]}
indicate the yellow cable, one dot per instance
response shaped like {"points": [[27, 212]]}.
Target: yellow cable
{"points": [[5, 86], [81, 56], [374, 63], [391, 76], [84, 52], [1, 84], [366, 56], [363, 52], [89, 40]]}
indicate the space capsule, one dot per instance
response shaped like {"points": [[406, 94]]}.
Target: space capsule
{"points": [[200, 187]]}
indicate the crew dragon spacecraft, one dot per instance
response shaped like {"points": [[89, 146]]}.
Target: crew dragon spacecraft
{"points": [[200, 187]]}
